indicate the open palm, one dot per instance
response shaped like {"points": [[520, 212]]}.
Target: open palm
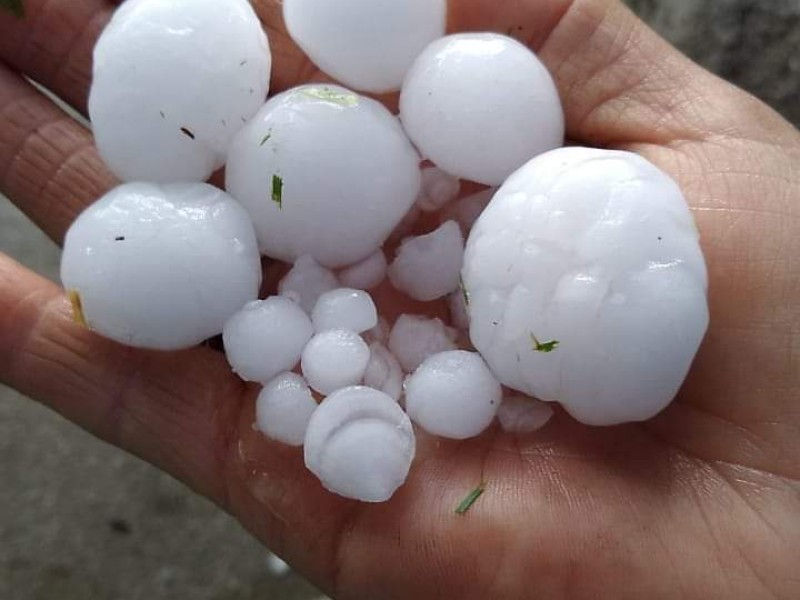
{"points": [[700, 502]]}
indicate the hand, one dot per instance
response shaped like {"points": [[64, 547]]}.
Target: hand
{"points": [[701, 502]]}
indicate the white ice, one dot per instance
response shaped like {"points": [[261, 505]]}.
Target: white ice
{"points": [[438, 189], [161, 266], [384, 372], [587, 284], [428, 267], [173, 82], [266, 338], [366, 275], [415, 338], [335, 359], [366, 44], [467, 210], [324, 172], [520, 414], [479, 105], [453, 395], [360, 444], [284, 408], [345, 308], [306, 282]]}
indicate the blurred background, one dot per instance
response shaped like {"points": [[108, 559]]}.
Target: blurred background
{"points": [[80, 520]]}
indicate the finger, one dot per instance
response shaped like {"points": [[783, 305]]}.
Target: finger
{"points": [[49, 166], [53, 44]]}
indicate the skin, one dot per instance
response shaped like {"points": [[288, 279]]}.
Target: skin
{"points": [[700, 502]]}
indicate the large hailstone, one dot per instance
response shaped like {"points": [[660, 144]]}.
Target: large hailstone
{"points": [[480, 105], [323, 172], [161, 267], [366, 44], [587, 284], [360, 444], [173, 83]]}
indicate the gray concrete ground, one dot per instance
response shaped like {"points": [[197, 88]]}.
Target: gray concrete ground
{"points": [[80, 520]]}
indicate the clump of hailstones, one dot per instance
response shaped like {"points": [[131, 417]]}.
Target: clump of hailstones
{"points": [[404, 297]]}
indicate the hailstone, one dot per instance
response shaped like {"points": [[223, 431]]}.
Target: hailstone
{"points": [[323, 172], [284, 408], [518, 414], [366, 275], [266, 338], [161, 266], [173, 83], [360, 444], [384, 372], [366, 44], [438, 189], [587, 284], [479, 105], [414, 338], [306, 281], [335, 359], [453, 394], [345, 309]]}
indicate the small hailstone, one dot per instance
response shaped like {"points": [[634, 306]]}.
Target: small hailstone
{"points": [[266, 338], [428, 267], [413, 339], [335, 359], [467, 210], [306, 282], [438, 189], [366, 44], [587, 284], [325, 172], [518, 414], [345, 309], [366, 275], [161, 266], [360, 444], [453, 395], [173, 83], [379, 333], [501, 106], [284, 408], [384, 372]]}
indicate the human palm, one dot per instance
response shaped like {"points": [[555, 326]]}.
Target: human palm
{"points": [[700, 502]]}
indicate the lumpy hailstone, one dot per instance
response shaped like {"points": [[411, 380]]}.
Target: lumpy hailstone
{"points": [[266, 338], [384, 372], [360, 444], [519, 414], [284, 408], [414, 338], [306, 282], [438, 189], [345, 309], [173, 83], [335, 359], [161, 267], [366, 275], [500, 106], [428, 267], [453, 395], [365, 175], [587, 284], [366, 44]]}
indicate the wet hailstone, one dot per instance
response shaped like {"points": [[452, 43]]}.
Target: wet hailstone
{"points": [[384, 372], [519, 414], [367, 274], [414, 338], [173, 83], [284, 408], [345, 309], [161, 266], [334, 359], [306, 282]]}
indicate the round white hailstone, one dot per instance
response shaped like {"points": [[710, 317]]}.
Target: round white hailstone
{"points": [[384, 372], [453, 395], [266, 338], [360, 444], [428, 267], [438, 189], [306, 282], [379, 333], [413, 339], [284, 408], [173, 83], [161, 267], [344, 308], [335, 359], [323, 172], [587, 284], [467, 210], [366, 44], [519, 414], [366, 275], [459, 316], [501, 106]]}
